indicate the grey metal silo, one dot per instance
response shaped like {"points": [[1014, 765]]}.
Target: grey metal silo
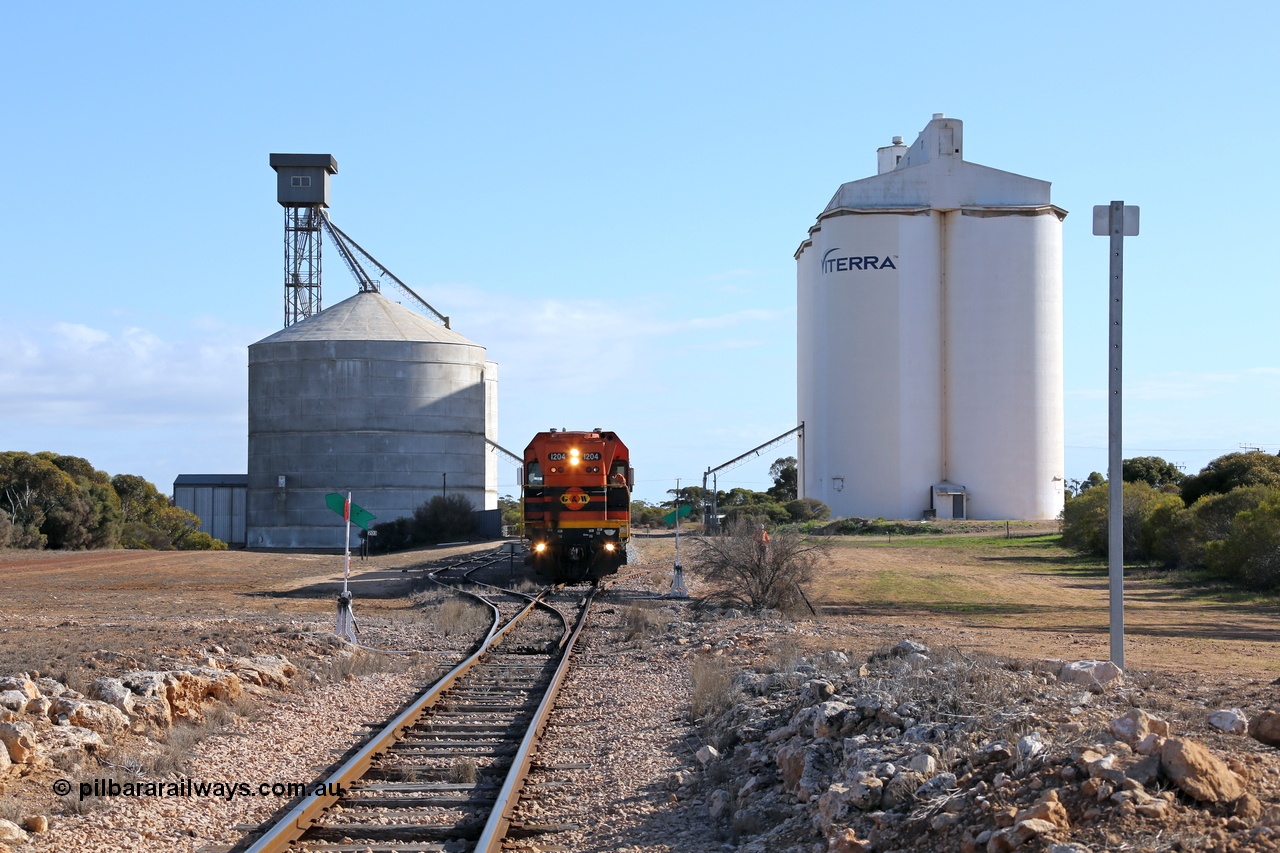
{"points": [[367, 397]]}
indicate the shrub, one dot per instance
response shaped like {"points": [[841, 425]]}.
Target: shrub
{"points": [[755, 577], [395, 535], [808, 509], [444, 518], [1251, 549], [1085, 523]]}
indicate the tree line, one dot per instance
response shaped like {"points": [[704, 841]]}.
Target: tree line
{"points": [[778, 505], [1225, 519], [62, 502]]}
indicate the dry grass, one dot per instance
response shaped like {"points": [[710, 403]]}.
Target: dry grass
{"points": [[450, 613], [642, 619], [712, 688], [463, 771]]}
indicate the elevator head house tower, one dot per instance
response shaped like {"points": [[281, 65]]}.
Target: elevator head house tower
{"points": [[929, 303], [302, 188]]}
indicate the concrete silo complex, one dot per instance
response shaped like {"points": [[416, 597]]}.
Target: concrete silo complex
{"points": [[369, 397], [930, 340]]}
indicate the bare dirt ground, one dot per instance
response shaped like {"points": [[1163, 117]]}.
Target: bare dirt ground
{"points": [[60, 607]]}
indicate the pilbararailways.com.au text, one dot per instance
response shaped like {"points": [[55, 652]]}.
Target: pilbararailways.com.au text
{"points": [[223, 790]]}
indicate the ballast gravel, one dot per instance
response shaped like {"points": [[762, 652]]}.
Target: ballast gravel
{"points": [[294, 739]]}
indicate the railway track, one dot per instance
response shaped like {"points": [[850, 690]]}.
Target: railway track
{"points": [[446, 773]]}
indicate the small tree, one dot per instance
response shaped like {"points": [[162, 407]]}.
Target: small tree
{"points": [[1251, 549], [747, 574], [1152, 470], [786, 479], [1232, 471]]}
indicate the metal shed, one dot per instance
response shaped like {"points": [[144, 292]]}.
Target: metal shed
{"points": [[219, 500]]}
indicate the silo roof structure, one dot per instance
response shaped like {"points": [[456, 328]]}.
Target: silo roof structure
{"points": [[368, 316], [366, 397]]}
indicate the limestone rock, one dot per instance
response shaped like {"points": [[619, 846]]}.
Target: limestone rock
{"points": [[901, 788], [1131, 727], [21, 684], [5, 761], [1048, 808], [151, 713], [14, 700], [721, 803], [39, 707], [829, 719], [1149, 745], [1230, 720], [1265, 728], [815, 691], [20, 739], [184, 691], [936, 786], [908, 647], [833, 808], [1015, 836], [1199, 773], [266, 671], [36, 824], [50, 687], [707, 754], [89, 714], [65, 741], [11, 833], [1248, 807], [865, 791], [801, 766], [924, 764], [847, 841], [113, 692], [993, 752], [1096, 675]]}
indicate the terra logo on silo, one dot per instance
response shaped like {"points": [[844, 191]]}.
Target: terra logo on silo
{"points": [[857, 262]]}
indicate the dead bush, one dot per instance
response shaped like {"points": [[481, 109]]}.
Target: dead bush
{"points": [[759, 576], [640, 620]]}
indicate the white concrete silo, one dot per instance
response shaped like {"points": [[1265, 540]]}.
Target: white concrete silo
{"points": [[367, 397], [930, 340]]}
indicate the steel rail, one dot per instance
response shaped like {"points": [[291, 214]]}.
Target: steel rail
{"points": [[495, 828], [301, 817]]}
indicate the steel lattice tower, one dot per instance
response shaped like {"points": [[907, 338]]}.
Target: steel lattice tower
{"points": [[302, 188]]}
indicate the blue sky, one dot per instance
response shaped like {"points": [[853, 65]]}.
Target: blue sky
{"points": [[608, 198]]}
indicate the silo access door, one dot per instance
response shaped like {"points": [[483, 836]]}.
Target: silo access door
{"points": [[949, 500]]}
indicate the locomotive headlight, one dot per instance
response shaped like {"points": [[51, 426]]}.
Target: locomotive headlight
{"points": [[610, 547], [573, 456], [540, 547]]}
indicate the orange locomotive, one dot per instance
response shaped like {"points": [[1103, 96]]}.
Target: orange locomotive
{"points": [[577, 504]]}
